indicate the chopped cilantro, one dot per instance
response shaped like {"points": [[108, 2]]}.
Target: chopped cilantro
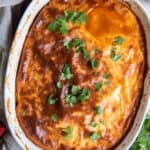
{"points": [[98, 110], [58, 25], [59, 85], [118, 40], [98, 86], [51, 100], [67, 44], [94, 136], [66, 73], [77, 43], [102, 122], [76, 17], [54, 117], [106, 75], [71, 99], [68, 132], [74, 90], [115, 57], [84, 95], [86, 54], [94, 63], [93, 124]]}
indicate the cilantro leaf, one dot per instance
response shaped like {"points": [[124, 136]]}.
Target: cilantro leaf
{"points": [[76, 17], [66, 73], [102, 122], [67, 44], [52, 100], [54, 117], [68, 132], [118, 40], [93, 124], [85, 95], [98, 86], [114, 56], [74, 90], [106, 75], [98, 110], [86, 54], [94, 63], [77, 43], [71, 99], [59, 85], [58, 25], [94, 136]]}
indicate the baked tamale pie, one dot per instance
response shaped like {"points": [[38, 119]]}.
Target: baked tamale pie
{"points": [[80, 75]]}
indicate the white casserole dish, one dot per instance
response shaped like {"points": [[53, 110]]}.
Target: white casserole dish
{"points": [[15, 53]]}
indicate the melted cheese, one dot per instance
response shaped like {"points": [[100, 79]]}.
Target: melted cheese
{"points": [[42, 60]]}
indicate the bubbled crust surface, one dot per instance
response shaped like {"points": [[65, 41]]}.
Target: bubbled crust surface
{"points": [[42, 60]]}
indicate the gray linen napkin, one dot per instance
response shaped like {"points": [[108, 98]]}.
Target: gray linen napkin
{"points": [[6, 32]]}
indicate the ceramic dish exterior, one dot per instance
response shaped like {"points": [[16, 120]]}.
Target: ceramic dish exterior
{"points": [[13, 62]]}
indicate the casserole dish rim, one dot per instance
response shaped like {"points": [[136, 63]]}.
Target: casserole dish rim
{"points": [[12, 67]]}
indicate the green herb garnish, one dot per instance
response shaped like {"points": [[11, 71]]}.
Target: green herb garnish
{"points": [[143, 140], [85, 95], [94, 136], [76, 17], [52, 100], [98, 86], [71, 99], [74, 90], [93, 124], [98, 110], [102, 122], [58, 25], [115, 56], [77, 43], [106, 75], [55, 117], [118, 40], [67, 44], [66, 73], [59, 85], [94, 63], [86, 54], [68, 132]]}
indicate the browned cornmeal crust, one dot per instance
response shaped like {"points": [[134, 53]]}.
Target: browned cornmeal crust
{"points": [[42, 60]]}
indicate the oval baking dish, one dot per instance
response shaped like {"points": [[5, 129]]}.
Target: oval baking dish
{"points": [[14, 61]]}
